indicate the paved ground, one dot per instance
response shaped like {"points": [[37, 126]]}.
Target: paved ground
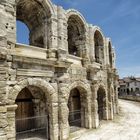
{"points": [[126, 126]]}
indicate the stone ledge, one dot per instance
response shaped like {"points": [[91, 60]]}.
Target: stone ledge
{"points": [[37, 73], [34, 60]]}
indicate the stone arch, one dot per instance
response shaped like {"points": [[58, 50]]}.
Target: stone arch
{"points": [[51, 96], [46, 4], [49, 91], [76, 30], [65, 90], [98, 38], [99, 85], [81, 86], [71, 12], [35, 14]]}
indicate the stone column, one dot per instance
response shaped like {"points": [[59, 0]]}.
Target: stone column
{"points": [[11, 120], [85, 54], [53, 122], [110, 103], [94, 107], [106, 52], [110, 110], [64, 125], [105, 110], [91, 44], [86, 110], [52, 38], [62, 34], [116, 106], [3, 122], [88, 116]]}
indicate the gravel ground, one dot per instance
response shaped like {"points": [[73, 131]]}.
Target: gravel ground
{"points": [[125, 126]]}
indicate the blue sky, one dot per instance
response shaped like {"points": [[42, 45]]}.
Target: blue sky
{"points": [[120, 20]]}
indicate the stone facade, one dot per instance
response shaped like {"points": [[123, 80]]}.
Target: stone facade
{"points": [[65, 53]]}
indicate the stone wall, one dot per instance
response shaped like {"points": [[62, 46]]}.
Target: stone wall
{"points": [[48, 64]]}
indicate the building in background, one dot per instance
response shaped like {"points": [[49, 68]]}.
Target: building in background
{"points": [[129, 86], [64, 79]]}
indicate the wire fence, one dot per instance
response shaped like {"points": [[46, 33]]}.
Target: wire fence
{"points": [[75, 120], [32, 127]]}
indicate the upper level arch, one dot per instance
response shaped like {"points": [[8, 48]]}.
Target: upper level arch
{"points": [[76, 31], [32, 8], [35, 15], [77, 14], [98, 38]]}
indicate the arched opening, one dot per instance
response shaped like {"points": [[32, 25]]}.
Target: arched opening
{"points": [[101, 100], [99, 47], [110, 54], [32, 119], [33, 14], [76, 105], [76, 36]]}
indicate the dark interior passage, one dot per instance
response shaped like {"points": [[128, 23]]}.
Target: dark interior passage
{"points": [[101, 103], [74, 105], [98, 42], [76, 36], [32, 114]]}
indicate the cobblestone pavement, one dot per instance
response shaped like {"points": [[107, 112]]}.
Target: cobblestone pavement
{"points": [[125, 126]]}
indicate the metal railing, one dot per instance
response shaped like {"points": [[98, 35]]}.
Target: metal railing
{"points": [[75, 117], [32, 127], [75, 120]]}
